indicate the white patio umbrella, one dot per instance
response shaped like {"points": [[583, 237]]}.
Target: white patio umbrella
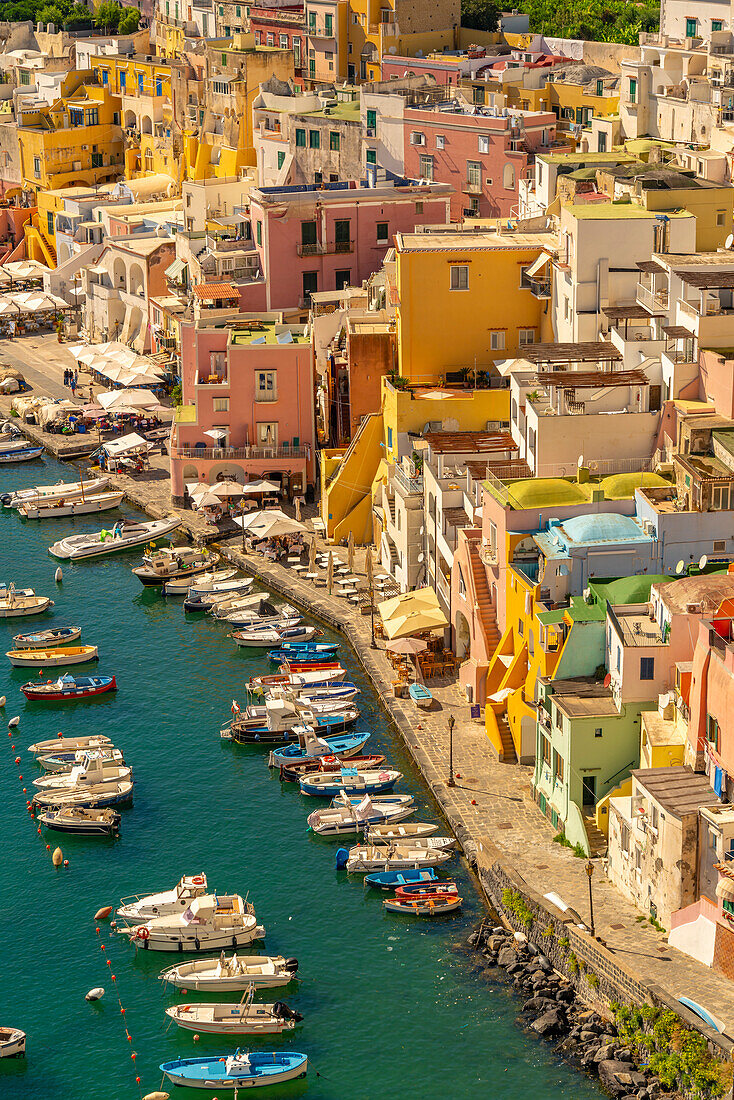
{"points": [[129, 399], [261, 486], [270, 524], [216, 433], [207, 500], [298, 509], [225, 489]]}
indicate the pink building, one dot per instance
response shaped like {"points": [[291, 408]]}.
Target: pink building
{"points": [[283, 26], [474, 63], [253, 380], [482, 152], [320, 238]]}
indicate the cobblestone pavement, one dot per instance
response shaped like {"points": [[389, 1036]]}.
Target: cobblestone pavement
{"points": [[492, 801]]}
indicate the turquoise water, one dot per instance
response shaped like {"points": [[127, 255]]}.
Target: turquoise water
{"points": [[386, 1003]]}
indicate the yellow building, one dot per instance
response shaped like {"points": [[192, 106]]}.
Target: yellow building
{"points": [[376, 28], [77, 140]]}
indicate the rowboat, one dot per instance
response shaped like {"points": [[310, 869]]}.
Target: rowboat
{"points": [[82, 506], [297, 681], [240, 1070], [292, 772], [22, 453], [69, 490], [420, 695], [92, 769], [424, 905], [246, 1018], [421, 889], [182, 587], [169, 563], [444, 843], [389, 858], [144, 906], [65, 761], [52, 658], [233, 974], [12, 1042], [14, 606], [204, 601], [222, 586], [95, 795], [81, 822], [126, 536], [69, 744], [303, 650], [233, 607], [44, 639], [68, 688], [311, 747], [297, 668], [403, 833], [344, 818], [329, 784], [210, 922], [266, 636], [391, 880], [339, 691]]}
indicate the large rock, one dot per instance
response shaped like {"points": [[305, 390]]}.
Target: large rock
{"points": [[618, 1078], [605, 1053], [538, 1004], [550, 1023], [507, 956]]}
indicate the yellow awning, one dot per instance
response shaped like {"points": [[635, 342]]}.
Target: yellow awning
{"points": [[411, 613], [538, 265], [725, 889]]}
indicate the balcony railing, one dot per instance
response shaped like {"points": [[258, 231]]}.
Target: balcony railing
{"points": [[652, 300], [312, 248], [540, 288], [408, 484], [473, 187], [321, 248], [187, 451]]}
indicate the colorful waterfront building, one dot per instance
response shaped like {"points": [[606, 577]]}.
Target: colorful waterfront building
{"points": [[284, 26]]}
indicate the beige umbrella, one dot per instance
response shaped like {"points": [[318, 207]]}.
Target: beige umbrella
{"points": [[350, 552], [368, 566], [225, 489], [407, 645], [298, 509], [312, 556], [330, 573]]}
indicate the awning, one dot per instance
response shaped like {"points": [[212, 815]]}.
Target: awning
{"points": [[537, 265], [97, 269], [411, 613], [175, 270], [725, 889], [132, 442]]}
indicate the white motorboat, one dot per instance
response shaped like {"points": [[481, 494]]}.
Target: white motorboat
{"points": [[24, 452], [297, 680], [246, 1018], [98, 795], [171, 562], [395, 857], [69, 490], [144, 906], [270, 637], [15, 606], [221, 588], [344, 817], [52, 658], [211, 922], [93, 770], [69, 744], [415, 840], [232, 974], [62, 762], [12, 1042], [182, 586], [403, 834], [126, 536], [231, 605], [82, 506]]}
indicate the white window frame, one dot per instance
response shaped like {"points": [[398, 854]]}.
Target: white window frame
{"points": [[459, 277], [417, 137], [220, 404], [266, 385], [497, 340], [483, 143], [525, 337], [440, 141]]}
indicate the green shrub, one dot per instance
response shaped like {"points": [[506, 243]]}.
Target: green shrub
{"points": [[515, 903]]}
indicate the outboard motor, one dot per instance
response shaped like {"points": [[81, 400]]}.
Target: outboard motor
{"points": [[342, 855], [284, 1012], [292, 965], [5, 500]]}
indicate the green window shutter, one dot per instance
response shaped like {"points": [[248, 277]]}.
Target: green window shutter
{"points": [[334, 141]]}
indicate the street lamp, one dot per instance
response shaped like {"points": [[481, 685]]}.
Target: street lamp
{"points": [[590, 872], [451, 782]]}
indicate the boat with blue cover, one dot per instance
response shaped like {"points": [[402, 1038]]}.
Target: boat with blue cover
{"points": [[264, 734], [68, 688], [390, 880], [330, 784], [311, 747], [304, 651], [241, 1070], [420, 695]]}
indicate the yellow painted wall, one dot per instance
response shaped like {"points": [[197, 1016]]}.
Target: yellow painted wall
{"points": [[132, 67], [705, 204], [403, 411]]}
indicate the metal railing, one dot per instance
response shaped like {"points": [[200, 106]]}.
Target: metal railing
{"points": [[652, 299], [188, 451], [409, 484]]}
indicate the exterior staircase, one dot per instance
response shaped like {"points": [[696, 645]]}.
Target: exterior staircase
{"points": [[597, 840], [487, 619], [507, 755]]}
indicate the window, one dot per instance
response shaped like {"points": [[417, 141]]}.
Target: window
{"points": [[382, 233], [371, 123], [329, 25], [281, 159], [269, 39], [314, 139], [598, 731], [546, 751], [600, 87], [417, 138], [312, 21], [37, 167], [712, 731], [557, 767], [311, 67], [483, 143], [440, 141], [419, 208], [633, 90], [297, 52], [25, 76], [259, 232], [691, 27], [720, 217], [525, 336], [96, 160], [342, 236], [716, 25], [389, 447], [76, 116], [342, 279], [497, 341], [508, 176], [265, 387], [459, 278], [371, 156], [602, 142], [50, 222], [220, 404], [300, 139], [425, 167], [474, 175], [477, 95], [334, 141], [310, 284], [238, 9], [283, 41], [647, 668], [267, 435]]}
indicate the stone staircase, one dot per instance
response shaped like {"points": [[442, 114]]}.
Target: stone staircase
{"points": [[508, 754], [483, 599], [597, 840]]}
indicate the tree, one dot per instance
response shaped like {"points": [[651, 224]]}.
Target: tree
{"points": [[480, 15], [107, 15], [51, 13], [128, 21]]}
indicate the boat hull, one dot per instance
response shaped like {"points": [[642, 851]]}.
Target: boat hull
{"points": [[79, 547], [52, 820], [150, 579], [55, 510], [390, 880], [186, 1072], [20, 456], [223, 940], [324, 724], [46, 639], [232, 1020], [69, 693], [423, 907], [349, 787], [21, 609], [12, 1045], [54, 658]]}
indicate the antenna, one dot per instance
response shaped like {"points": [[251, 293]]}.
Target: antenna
{"points": [[580, 461], [702, 562], [680, 567]]}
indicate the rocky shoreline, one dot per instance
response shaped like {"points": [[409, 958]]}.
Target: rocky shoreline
{"points": [[552, 1008]]}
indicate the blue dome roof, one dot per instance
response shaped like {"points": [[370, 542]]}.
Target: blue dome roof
{"points": [[602, 527]]}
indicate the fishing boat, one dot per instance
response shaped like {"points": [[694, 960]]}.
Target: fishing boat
{"points": [[420, 695], [182, 586], [249, 604], [396, 857], [296, 649], [45, 639], [204, 601], [391, 880], [241, 1070], [211, 922], [444, 843], [297, 681], [339, 691], [139, 907], [12, 1042], [69, 744], [284, 720], [94, 795], [92, 769], [69, 490], [222, 586], [15, 606], [68, 688], [420, 889], [81, 821], [329, 784], [169, 563], [402, 833], [246, 1018], [292, 772], [126, 535], [52, 658], [65, 761], [297, 667], [248, 620], [424, 905], [267, 636], [82, 506], [233, 974], [344, 818], [309, 746], [22, 452]]}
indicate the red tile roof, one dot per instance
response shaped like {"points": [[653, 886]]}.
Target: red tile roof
{"points": [[208, 292]]}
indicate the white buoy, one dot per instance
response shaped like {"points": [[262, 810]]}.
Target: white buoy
{"points": [[58, 575], [14, 722], [2, 700], [95, 994]]}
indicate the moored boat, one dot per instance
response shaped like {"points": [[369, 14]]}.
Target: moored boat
{"points": [[204, 601], [264, 636], [69, 744], [12, 1042], [391, 880], [81, 506], [68, 688], [297, 649], [403, 833], [284, 721], [395, 857], [182, 586], [170, 562], [421, 889], [126, 536], [311, 747], [94, 795], [237, 1071], [211, 922], [232, 974], [344, 818], [91, 769], [45, 639], [424, 905], [144, 906], [329, 784], [65, 761], [16, 606], [81, 821], [24, 452], [443, 843], [52, 658], [297, 680], [246, 1018], [292, 772], [69, 490]]}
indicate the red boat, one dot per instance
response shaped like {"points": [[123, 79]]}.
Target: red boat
{"points": [[308, 666], [293, 771], [68, 688]]}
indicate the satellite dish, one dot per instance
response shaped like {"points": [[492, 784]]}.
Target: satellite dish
{"points": [[680, 567], [420, 557], [702, 562], [607, 679], [580, 461], [729, 241]]}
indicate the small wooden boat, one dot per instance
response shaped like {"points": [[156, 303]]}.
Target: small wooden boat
{"points": [[283, 723], [420, 889], [221, 587], [45, 639], [12, 1042], [444, 843], [69, 744], [264, 637], [344, 818], [391, 880], [68, 688], [295, 681], [52, 658], [65, 761], [211, 922], [94, 795], [402, 833], [22, 453], [126, 535], [14, 606], [232, 974], [311, 747], [246, 1018], [329, 784], [241, 1070], [182, 586], [81, 506], [81, 821], [140, 907], [292, 772], [69, 490], [289, 667], [205, 601], [242, 608], [396, 857], [424, 905], [169, 563], [420, 695], [295, 649]]}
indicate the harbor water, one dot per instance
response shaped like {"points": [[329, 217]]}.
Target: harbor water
{"points": [[390, 1006]]}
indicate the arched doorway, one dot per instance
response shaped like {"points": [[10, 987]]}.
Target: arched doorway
{"points": [[462, 635]]}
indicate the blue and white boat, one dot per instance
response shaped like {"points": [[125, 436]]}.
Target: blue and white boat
{"points": [[21, 452], [310, 747], [304, 651], [343, 817], [241, 1070], [390, 880], [341, 691], [330, 784], [262, 733]]}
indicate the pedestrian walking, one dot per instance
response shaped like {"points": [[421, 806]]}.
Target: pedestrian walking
{"points": [[73, 386]]}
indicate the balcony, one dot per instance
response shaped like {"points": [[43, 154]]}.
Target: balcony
{"points": [[540, 288], [409, 485], [313, 248], [321, 248], [188, 451], [488, 554], [653, 300], [472, 187], [212, 380]]}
